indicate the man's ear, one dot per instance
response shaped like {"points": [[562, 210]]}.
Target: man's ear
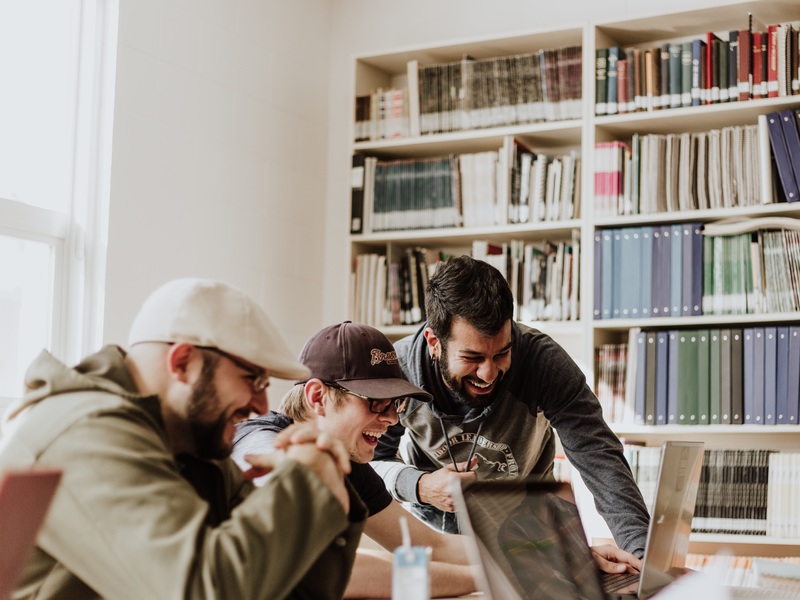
{"points": [[316, 397], [434, 345], [182, 360]]}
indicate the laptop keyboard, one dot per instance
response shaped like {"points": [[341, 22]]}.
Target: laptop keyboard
{"points": [[615, 581]]}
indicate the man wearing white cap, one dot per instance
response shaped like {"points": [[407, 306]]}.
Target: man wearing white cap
{"points": [[130, 428]]}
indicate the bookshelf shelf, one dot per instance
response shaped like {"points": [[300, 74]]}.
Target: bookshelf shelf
{"points": [[789, 209], [581, 335], [498, 233], [544, 135]]}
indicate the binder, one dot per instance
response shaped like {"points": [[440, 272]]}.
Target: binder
{"points": [[662, 377], [725, 376], [793, 383], [770, 375], [703, 376], [737, 376], [641, 376], [714, 377], [782, 376], [792, 139], [357, 194], [759, 348], [687, 377], [777, 140], [673, 375], [650, 380]]}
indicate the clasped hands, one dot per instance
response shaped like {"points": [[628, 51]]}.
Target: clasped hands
{"points": [[320, 452]]}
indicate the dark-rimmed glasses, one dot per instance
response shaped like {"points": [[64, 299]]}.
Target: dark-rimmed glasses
{"points": [[259, 380], [377, 406]]}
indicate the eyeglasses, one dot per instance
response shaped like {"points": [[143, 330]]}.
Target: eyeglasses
{"points": [[377, 406], [259, 380]]}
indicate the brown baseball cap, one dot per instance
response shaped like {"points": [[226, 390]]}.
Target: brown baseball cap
{"points": [[360, 359]]}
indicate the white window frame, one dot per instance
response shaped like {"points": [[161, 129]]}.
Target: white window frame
{"points": [[79, 238]]}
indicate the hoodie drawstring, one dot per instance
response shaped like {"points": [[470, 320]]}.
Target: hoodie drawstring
{"points": [[450, 449]]}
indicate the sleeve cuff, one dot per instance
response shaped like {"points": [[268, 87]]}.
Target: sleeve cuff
{"points": [[407, 485]]}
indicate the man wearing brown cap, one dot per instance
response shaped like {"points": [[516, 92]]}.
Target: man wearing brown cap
{"points": [[355, 393], [131, 429]]}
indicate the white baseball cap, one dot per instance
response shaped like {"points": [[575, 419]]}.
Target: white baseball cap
{"points": [[208, 313]]}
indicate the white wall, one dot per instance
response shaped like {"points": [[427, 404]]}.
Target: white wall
{"points": [[361, 27], [219, 154]]}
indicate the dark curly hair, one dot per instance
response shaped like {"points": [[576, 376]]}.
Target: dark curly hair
{"points": [[472, 290]]}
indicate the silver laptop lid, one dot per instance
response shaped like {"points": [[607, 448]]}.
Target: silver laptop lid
{"points": [[671, 519]]}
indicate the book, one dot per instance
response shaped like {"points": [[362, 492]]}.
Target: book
{"points": [[598, 274], [745, 67], [725, 378], [357, 194], [782, 376], [759, 356], [772, 61], [673, 374], [791, 136], [686, 74], [737, 375], [770, 375], [651, 356], [732, 76], [688, 345], [412, 74], [676, 270], [614, 55], [662, 377], [675, 74], [714, 377], [622, 85], [780, 151], [711, 73], [758, 64], [793, 384], [698, 59], [601, 81], [641, 378], [704, 375]]}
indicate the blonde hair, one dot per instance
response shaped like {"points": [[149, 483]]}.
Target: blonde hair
{"points": [[293, 404]]}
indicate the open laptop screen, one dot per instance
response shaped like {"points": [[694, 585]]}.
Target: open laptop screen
{"points": [[529, 540]]}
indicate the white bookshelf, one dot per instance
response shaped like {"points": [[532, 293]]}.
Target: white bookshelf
{"points": [[580, 337]]}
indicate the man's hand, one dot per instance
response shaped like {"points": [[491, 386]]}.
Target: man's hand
{"points": [[434, 488], [613, 560], [321, 453]]}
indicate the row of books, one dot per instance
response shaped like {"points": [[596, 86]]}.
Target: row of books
{"points": [[648, 271], [657, 173], [753, 272], [747, 65], [471, 93], [510, 185], [391, 290], [382, 115], [748, 266], [544, 276], [704, 376], [736, 492], [734, 166]]}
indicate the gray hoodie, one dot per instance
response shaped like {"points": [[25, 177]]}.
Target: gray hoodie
{"points": [[125, 524], [513, 437]]}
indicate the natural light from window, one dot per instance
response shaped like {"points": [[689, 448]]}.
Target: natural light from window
{"points": [[56, 65]]}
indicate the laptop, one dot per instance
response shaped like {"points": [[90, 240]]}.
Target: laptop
{"points": [[25, 497], [528, 540]]}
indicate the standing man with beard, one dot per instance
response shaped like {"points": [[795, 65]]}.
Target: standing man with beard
{"points": [[499, 389], [132, 429]]}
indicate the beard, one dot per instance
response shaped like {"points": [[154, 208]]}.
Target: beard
{"points": [[459, 388], [206, 426]]}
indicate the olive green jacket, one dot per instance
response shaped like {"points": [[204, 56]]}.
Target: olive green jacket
{"points": [[125, 524]]}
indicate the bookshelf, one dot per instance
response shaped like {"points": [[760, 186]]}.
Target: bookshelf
{"points": [[582, 333]]}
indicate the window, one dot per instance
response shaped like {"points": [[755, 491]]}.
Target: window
{"points": [[57, 62]]}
